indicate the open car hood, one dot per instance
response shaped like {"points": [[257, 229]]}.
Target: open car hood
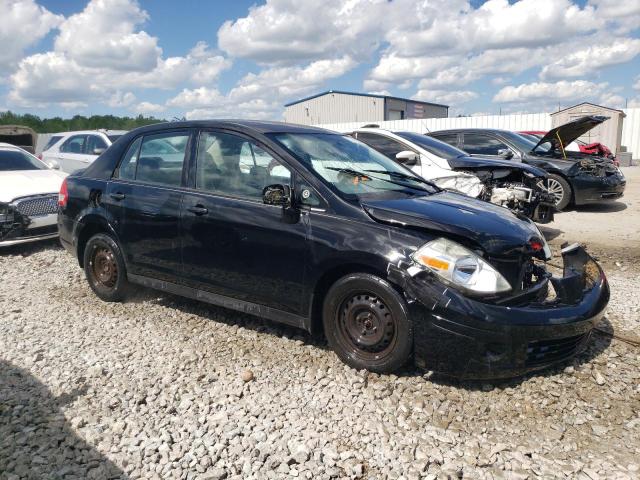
{"points": [[570, 132], [493, 228]]}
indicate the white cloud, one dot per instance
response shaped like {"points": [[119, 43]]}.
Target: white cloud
{"points": [[23, 24], [46, 77], [449, 26], [99, 53], [285, 31], [582, 62], [147, 108], [612, 100], [542, 91], [200, 97], [637, 84], [104, 35], [262, 93], [120, 99]]}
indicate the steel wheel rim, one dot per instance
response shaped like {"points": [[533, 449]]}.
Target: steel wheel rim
{"points": [[367, 327], [104, 267]]}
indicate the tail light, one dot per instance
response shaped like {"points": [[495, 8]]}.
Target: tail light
{"points": [[63, 195]]}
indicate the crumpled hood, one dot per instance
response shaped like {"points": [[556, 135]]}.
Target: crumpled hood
{"points": [[488, 163], [494, 229], [22, 183], [570, 132]]}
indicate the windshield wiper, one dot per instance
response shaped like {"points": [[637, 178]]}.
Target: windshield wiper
{"points": [[404, 176], [350, 171]]}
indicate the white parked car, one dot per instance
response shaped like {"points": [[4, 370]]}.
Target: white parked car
{"points": [[28, 197], [71, 151], [513, 185]]}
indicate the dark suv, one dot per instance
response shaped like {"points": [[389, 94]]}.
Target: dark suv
{"points": [[317, 230]]}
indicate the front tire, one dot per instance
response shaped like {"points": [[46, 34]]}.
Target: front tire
{"points": [[104, 268], [560, 189], [367, 324]]}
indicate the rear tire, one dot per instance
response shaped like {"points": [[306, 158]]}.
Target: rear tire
{"points": [[104, 268], [367, 323], [560, 189]]}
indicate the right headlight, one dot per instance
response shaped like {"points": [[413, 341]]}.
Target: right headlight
{"points": [[461, 267]]}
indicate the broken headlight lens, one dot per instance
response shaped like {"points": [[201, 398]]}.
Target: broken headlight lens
{"points": [[459, 266]]}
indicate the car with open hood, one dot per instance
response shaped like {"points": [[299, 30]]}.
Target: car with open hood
{"points": [[519, 187], [574, 178], [317, 230], [596, 149], [28, 197]]}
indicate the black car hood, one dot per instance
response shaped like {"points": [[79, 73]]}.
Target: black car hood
{"points": [[494, 229], [472, 163], [571, 131]]}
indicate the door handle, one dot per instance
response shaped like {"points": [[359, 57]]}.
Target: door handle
{"points": [[198, 210], [117, 196]]}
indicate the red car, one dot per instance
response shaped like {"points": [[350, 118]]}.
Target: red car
{"points": [[595, 148]]}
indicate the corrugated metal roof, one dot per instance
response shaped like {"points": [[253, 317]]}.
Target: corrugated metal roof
{"points": [[363, 95]]}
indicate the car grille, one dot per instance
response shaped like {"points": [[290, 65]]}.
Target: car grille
{"points": [[35, 206], [548, 351]]}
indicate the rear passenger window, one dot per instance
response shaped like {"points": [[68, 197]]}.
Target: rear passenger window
{"points": [[478, 144], [156, 159], [450, 138]]}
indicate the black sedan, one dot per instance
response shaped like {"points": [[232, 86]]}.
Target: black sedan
{"points": [[317, 230], [574, 178]]}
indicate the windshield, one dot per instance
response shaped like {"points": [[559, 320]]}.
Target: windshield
{"points": [[349, 166], [433, 146], [113, 138], [17, 160]]}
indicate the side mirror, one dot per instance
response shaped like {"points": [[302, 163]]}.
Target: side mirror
{"points": [[98, 151], [505, 153], [407, 158], [277, 195]]}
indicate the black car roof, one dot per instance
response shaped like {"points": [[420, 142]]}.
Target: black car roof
{"points": [[258, 126]]}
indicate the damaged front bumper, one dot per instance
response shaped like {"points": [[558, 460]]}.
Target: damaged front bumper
{"points": [[468, 338], [17, 228], [593, 189]]}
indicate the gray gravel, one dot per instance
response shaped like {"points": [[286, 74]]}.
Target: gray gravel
{"points": [[162, 387]]}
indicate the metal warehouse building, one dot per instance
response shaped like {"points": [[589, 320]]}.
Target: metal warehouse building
{"points": [[337, 106]]}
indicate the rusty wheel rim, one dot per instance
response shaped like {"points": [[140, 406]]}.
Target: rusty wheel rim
{"points": [[104, 267]]}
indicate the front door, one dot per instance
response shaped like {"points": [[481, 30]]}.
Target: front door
{"points": [[144, 200], [234, 244], [71, 156]]}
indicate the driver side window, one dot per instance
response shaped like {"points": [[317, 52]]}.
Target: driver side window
{"points": [[232, 165]]}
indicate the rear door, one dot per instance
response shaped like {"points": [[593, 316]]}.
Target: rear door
{"points": [[144, 199], [234, 244], [484, 145]]}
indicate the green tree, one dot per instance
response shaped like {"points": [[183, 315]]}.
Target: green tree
{"points": [[77, 122]]}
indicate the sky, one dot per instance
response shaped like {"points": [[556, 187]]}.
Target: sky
{"points": [[221, 59]]}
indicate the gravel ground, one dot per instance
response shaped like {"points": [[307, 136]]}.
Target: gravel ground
{"points": [[162, 387]]}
